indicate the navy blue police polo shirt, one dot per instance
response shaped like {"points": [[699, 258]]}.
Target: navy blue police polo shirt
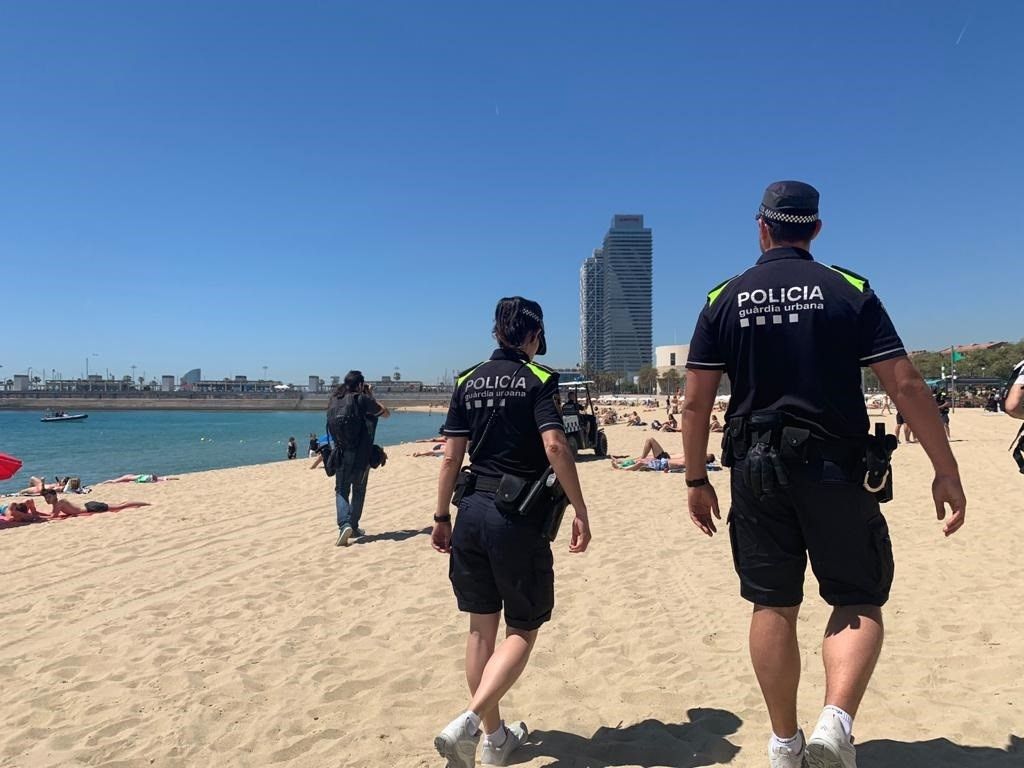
{"points": [[792, 334], [519, 400]]}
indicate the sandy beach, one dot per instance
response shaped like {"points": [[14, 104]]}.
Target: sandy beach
{"points": [[221, 627]]}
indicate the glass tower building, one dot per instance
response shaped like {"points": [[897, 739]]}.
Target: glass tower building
{"points": [[616, 285], [592, 314]]}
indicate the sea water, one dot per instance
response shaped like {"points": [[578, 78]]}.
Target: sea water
{"points": [[113, 443]]}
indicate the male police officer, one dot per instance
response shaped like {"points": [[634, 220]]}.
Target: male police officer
{"points": [[792, 334]]}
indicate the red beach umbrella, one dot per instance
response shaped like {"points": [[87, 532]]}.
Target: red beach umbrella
{"points": [[8, 466]]}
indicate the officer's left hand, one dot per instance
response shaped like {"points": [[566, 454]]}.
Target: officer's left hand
{"points": [[441, 537], [703, 503], [580, 538]]}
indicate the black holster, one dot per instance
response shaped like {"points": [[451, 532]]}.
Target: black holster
{"points": [[878, 464], [465, 484], [764, 472]]}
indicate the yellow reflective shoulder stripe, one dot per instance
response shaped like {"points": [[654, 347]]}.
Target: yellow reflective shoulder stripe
{"points": [[539, 372], [856, 282], [714, 294], [466, 375]]}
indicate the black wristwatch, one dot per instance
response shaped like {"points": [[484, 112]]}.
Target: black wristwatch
{"points": [[698, 482], [445, 518]]}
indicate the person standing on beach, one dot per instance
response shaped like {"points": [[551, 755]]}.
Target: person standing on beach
{"points": [[943, 404], [793, 334], [348, 413], [1013, 403], [292, 448], [375, 411], [506, 411]]}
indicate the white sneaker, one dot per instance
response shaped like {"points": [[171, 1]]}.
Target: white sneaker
{"points": [[457, 744], [343, 536], [829, 746], [780, 756], [514, 737]]}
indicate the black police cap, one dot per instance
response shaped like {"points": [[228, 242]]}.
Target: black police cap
{"points": [[793, 202], [525, 308]]}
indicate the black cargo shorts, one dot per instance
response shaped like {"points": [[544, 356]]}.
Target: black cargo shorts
{"points": [[500, 561], [823, 515]]}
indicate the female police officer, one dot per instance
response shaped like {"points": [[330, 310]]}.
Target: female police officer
{"points": [[506, 410]]}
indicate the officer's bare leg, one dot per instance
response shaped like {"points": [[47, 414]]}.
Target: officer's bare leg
{"points": [[483, 632], [853, 641], [501, 672], [776, 657]]}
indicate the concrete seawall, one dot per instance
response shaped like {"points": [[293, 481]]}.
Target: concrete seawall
{"points": [[113, 403]]}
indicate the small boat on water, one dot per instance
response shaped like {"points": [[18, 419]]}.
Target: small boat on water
{"points": [[61, 416]]}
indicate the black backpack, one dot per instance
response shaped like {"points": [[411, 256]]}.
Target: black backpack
{"points": [[346, 422]]}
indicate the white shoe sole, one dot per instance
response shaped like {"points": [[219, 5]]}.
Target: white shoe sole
{"points": [[449, 751], [343, 538], [819, 755]]}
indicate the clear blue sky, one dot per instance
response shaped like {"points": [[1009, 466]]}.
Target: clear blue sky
{"points": [[318, 186]]}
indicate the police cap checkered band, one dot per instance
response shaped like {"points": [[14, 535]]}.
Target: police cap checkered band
{"points": [[791, 202], [789, 218], [533, 316]]}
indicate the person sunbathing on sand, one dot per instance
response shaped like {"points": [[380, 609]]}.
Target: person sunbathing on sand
{"points": [[64, 508], [437, 450], [653, 456], [138, 479], [37, 485], [22, 512]]}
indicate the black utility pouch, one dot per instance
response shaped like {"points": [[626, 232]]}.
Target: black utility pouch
{"points": [[795, 444], [463, 484], [510, 492]]}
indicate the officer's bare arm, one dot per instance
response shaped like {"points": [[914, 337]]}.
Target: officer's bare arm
{"points": [[561, 459], [454, 453], [701, 388], [1014, 404], [914, 400]]}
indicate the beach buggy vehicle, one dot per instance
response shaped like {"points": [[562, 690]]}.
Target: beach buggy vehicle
{"points": [[579, 417]]}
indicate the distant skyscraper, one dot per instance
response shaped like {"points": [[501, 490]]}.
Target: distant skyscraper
{"points": [[592, 313], [615, 299]]}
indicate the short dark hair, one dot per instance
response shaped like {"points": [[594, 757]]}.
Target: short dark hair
{"points": [[353, 381], [515, 318], [788, 232]]}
